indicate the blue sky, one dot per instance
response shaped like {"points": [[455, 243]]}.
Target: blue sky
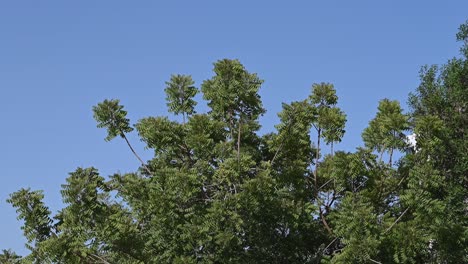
{"points": [[59, 58]]}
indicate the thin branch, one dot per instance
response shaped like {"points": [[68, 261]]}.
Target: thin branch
{"points": [[360, 185], [331, 243], [277, 151], [381, 154], [238, 146], [324, 221], [323, 185], [101, 259], [315, 126], [122, 134], [134, 153], [280, 146], [322, 216], [327, 207], [396, 221], [317, 158], [401, 181], [390, 159], [382, 185], [231, 124], [375, 261], [238, 139]]}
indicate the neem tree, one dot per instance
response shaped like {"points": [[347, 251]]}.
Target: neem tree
{"points": [[218, 192]]}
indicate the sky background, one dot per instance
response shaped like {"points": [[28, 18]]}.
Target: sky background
{"points": [[59, 58]]}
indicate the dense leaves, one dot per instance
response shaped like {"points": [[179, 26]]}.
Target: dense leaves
{"points": [[110, 114], [216, 191], [180, 91]]}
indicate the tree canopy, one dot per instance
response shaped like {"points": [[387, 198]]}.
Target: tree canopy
{"points": [[217, 191]]}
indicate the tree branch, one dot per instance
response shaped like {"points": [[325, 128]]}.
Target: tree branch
{"points": [[238, 139], [277, 151], [280, 146], [323, 185], [316, 159], [322, 216], [134, 153], [331, 243], [101, 259], [324, 221], [396, 221]]}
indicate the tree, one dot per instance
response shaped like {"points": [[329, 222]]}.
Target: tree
{"points": [[216, 191], [439, 178], [415, 213]]}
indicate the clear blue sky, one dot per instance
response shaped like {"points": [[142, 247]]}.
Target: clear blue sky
{"points": [[59, 58]]}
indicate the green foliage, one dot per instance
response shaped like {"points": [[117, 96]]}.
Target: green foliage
{"points": [[386, 130], [292, 147], [462, 35], [9, 257], [232, 94], [110, 115], [180, 92], [37, 226], [218, 192], [333, 120], [161, 134], [358, 227], [439, 179], [329, 120]]}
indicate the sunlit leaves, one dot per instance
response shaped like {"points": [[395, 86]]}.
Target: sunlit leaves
{"points": [[109, 114], [462, 35], [329, 121], [180, 91], [9, 257], [31, 209], [232, 93], [386, 131]]}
